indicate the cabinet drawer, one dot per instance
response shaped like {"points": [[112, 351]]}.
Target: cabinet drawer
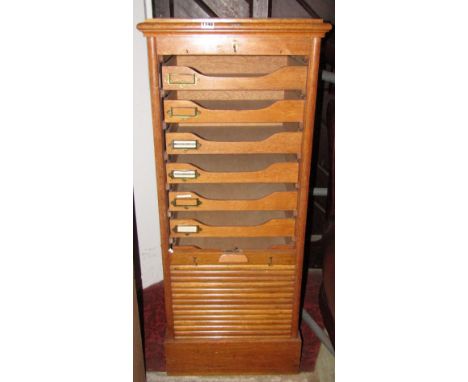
{"points": [[188, 111], [275, 173], [279, 143], [190, 256], [285, 78], [271, 228], [277, 201]]}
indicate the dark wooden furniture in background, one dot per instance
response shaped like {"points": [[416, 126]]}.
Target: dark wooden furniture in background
{"points": [[233, 105], [327, 291], [139, 374], [323, 9]]}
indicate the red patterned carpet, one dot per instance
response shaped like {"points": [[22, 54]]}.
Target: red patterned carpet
{"points": [[155, 325]]}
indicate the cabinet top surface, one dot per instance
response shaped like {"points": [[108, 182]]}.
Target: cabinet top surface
{"points": [[213, 25]]}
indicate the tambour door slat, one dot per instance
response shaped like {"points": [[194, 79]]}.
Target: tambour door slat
{"points": [[208, 311], [227, 285], [234, 323], [214, 302], [227, 327], [209, 276], [234, 317]]}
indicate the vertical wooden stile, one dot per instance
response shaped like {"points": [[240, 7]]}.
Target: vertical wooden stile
{"points": [[304, 174], [159, 148]]}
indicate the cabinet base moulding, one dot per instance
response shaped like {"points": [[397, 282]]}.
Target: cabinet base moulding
{"points": [[236, 356]]}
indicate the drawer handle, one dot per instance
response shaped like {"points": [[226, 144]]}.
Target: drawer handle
{"points": [[183, 112], [187, 229], [181, 79], [186, 202], [185, 145], [233, 258], [184, 174]]}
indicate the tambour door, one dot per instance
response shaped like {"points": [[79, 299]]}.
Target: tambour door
{"points": [[232, 294]]}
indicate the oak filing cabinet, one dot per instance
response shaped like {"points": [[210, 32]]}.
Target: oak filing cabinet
{"points": [[233, 104]]}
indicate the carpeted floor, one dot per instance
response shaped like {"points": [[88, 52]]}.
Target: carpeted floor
{"points": [[155, 325]]}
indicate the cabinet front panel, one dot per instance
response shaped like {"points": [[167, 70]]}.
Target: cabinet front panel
{"points": [[190, 256], [233, 45]]}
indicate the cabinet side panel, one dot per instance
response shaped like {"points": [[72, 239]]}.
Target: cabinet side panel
{"points": [[159, 144], [304, 174]]}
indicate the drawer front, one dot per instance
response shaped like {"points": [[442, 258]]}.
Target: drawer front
{"points": [[279, 143], [277, 201], [218, 258], [237, 299], [194, 228], [182, 77], [226, 44], [188, 111], [275, 173]]}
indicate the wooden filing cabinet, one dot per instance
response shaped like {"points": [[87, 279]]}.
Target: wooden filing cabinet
{"points": [[233, 105]]}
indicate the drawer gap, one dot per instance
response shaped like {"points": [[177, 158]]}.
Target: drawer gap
{"points": [[252, 191], [232, 218], [232, 162], [235, 133], [226, 244], [235, 65]]}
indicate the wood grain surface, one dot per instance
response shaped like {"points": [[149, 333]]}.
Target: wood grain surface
{"points": [[232, 300], [271, 355]]}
